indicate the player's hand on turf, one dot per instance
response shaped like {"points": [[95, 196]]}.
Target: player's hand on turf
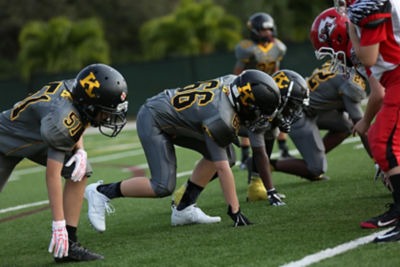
{"points": [[238, 218], [80, 159], [274, 198], [59, 239]]}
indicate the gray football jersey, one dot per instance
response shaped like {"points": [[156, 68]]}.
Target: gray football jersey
{"points": [[330, 91], [197, 109], [250, 55], [44, 119]]}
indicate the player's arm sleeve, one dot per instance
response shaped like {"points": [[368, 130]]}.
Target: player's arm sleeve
{"points": [[56, 154], [373, 36], [282, 48], [243, 54], [256, 139], [354, 88], [217, 152]]}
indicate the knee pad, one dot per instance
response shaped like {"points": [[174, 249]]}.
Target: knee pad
{"points": [[162, 190]]}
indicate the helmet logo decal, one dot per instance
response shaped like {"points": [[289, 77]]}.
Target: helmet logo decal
{"points": [[123, 96], [246, 94], [89, 82], [281, 80], [236, 123], [325, 29]]}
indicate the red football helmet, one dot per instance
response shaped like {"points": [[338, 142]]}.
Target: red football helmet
{"points": [[329, 36]]}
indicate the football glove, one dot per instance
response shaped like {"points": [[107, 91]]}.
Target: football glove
{"points": [[59, 239], [274, 198], [80, 159], [238, 218], [369, 13]]}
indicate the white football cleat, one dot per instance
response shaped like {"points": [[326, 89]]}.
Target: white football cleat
{"points": [[191, 215], [97, 206]]}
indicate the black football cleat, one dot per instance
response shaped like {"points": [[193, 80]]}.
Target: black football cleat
{"points": [[77, 252], [391, 236], [386, 219]]}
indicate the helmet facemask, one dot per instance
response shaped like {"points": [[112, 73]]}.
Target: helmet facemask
{"points": [[338, 60], [294, 96], [114, 119], [341, 7], [109, 120]]}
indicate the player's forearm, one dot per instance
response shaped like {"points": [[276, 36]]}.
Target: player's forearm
{"points": [[54, 189], [227, 184], [262, 163], [79, 144], [375, 100]]}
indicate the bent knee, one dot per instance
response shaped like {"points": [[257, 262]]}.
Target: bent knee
{"points": [[163, 190], [317, 171]]}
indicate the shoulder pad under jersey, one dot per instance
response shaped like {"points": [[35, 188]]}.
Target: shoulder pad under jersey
{"points": [[244, 50], [354, 87], [281, 46], [62, 129], [223, 127]]}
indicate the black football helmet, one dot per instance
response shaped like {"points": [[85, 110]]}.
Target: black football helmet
{"points": [[255, 97], [261, 21], [294, 97], [100, 94]]}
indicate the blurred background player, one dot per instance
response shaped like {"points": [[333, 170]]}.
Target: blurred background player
{"points": [[336, 92], [375, 35], [47, 128], [205, 117], [263, 52]]}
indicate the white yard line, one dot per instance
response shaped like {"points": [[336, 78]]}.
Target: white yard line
{"points": [[23, 206], [19, 207], [330, 252]]}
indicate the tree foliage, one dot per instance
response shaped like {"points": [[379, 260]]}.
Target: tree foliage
{"points": [[193, 28], [122, 20], [61, 45], [292, 17]]}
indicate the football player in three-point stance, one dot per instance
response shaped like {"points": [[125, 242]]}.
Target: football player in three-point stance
{"points": [[336, 91], [205, 117], [334, 99], [263, 52], [47, 128], [294, 96]]}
